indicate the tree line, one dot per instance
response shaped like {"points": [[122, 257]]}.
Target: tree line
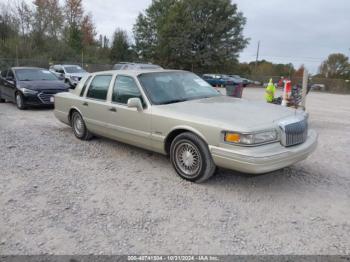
{"points": [[197, 35]]}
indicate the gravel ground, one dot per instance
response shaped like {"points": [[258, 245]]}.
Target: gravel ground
{"points": [[59, 195]]}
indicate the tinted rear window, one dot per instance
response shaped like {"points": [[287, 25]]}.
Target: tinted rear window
{"points": [[99, 87]]}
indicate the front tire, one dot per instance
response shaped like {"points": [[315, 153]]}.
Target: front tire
{"points": [[79, 127], [191, 158], [20, 101]]}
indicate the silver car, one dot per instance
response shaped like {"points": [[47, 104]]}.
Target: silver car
{"points": [[179, 114], [71, 74]]}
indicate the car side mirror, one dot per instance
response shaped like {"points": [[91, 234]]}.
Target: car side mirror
{"points": [[135, 103], [61, 77]]}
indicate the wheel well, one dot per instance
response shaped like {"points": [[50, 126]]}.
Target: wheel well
{"points": [[169, 139], [71, 113]]}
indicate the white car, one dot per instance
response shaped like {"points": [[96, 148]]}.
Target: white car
{"points": [[71, 74]]}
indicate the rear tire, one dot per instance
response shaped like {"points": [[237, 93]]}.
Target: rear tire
{"points": [[2, 100], [20, 101], [79, 127], [191, 158]]}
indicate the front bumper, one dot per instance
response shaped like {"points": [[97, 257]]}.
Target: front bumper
{"points": [[44, 98], [263, 159], [33, 100]]}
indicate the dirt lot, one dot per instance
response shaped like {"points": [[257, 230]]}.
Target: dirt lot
{"points": [[59, 195]]}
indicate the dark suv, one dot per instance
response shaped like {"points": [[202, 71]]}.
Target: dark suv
{"points": [[30, 86]]}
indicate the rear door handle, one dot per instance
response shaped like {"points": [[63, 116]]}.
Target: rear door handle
{"points": [[85, 104], [113, 109]]}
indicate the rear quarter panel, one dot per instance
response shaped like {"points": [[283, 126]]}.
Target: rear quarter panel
{"points": [[64, 102]]}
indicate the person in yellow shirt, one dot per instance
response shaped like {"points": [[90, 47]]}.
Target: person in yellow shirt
{"points": [[270, 92]]}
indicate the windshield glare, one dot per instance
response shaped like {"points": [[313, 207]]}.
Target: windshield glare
{"points": [[74, 69], [34, 75], [172, 87]]}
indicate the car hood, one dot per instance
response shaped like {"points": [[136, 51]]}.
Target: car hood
{"points": [[76, 74], [43, 85], [228, 113]]}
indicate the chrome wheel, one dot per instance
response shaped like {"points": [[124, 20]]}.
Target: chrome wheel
{"points": [[188, 159], [78, 125]]}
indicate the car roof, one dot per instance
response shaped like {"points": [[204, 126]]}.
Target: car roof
{"points": [[136, 72], [130, 63], [27, 67], [64, 65]]}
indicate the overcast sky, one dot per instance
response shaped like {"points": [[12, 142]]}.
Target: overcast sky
{"points": [[297, 31]]}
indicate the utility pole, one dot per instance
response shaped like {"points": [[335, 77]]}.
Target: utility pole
{"points": [[257, 57], [82, 59], [304, 88]]}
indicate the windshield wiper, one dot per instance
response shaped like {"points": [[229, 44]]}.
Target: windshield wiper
{"points": [[25, 80], [174, 101]]}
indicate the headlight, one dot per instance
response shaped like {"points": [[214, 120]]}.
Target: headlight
{"points": [[28, 91], [250, 139], [74, 78]]}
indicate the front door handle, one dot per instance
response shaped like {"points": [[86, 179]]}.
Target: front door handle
{"points": [[113, 109], [85, 104]]}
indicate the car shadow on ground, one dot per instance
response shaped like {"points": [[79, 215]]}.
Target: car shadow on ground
{"points": [[299, 175], [288, 176], [33, 108]]}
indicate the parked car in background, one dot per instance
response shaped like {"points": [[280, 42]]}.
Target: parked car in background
{"points": [[243, 81], [29, 86], [179, 114], [70, 74], [218, 80], [319, 87], [135, 66]]}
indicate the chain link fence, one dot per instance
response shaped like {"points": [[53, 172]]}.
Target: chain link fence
{"points": [[320, 84]]}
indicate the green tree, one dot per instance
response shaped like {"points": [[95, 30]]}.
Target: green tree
{"points": [[120, 50], [147, 29], [336, 66], [199, 35], [74, 13]]}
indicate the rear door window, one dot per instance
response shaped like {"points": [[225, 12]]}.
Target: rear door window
{"points": [[98, 88], [85, 85], [10, 74], [4, 73]]}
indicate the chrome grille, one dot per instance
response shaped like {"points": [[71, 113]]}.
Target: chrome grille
{"points": [[45, 98], [294, 133], [45, 95]]}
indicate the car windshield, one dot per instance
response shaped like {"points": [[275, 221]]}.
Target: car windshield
{"points": [[74, 69], [34, 75], [173, 87]]}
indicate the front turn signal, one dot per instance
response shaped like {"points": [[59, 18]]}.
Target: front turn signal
{"points": [[232, 137]]}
